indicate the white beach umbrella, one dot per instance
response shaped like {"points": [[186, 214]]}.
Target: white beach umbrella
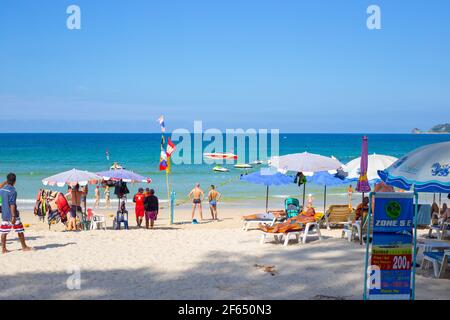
{"points": [[304, 162], [72, 178], [376, 162], [426, 168]]}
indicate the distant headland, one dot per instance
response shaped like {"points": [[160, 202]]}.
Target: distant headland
{"points": [[437, 129]]}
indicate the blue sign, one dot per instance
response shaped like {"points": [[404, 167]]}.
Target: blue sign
{"points": [[392, 246]]}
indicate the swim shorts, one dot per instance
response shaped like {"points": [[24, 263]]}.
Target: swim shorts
{"points": [[73, 211], [7, 226], [196, 201], [151, 215], [139, 212]]}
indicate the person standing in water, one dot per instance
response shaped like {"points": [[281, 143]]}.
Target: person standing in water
{"points": [[213, 198], [196, 195], [10, 214], [139, 208], [96, 197]]}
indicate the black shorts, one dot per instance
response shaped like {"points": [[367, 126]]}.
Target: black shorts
{"points": [[196, 201], [73, 211]]}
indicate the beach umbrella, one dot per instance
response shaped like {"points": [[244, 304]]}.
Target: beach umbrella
{"points": [[375, 162], [426, 169], [324, 178], [72, 178], [363, 183], [267, 178], [123, 175], [305, 162]]}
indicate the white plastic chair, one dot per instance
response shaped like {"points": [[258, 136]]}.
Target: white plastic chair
{"points": [[439, 260], [98, 221]]}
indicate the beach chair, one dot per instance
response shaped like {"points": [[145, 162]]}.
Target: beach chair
{"points": [[337, 215], [97, 221], [269, 218], [442, 230], [439, 260], [310, 229]]}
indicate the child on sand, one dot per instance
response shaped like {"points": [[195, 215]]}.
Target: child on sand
{"points": [[139, 209]]}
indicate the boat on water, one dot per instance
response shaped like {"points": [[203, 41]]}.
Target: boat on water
{"points": [[220, 169], [257, 162], [243, 166], [220, 155], [116, 166]]}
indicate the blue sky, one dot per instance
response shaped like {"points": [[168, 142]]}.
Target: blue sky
{"points": [[300, 66]]}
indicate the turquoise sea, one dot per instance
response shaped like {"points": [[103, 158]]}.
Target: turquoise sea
{"points": [[36, 156]]}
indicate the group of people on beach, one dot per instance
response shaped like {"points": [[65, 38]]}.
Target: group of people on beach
{"points": [[147, 205], [197, 195]]}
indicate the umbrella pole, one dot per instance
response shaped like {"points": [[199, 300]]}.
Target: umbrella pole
{"points": [[267, 199], [325, 200], [304, 193]]}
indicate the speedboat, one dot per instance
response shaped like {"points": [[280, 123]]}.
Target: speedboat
{"points": [[220, 155], [220, 169]]}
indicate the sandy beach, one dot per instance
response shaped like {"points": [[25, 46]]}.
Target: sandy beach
{"points": [[212, 260]]}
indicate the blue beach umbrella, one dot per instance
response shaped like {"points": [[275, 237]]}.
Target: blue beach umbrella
{"points": [[426, 169], [323, 178], [267, 178]]}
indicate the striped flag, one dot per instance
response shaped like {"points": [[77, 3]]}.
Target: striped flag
{"points": [[161, 123], [170, 147]]}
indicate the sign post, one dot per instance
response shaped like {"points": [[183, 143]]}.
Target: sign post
{"points": [[390, 247]]}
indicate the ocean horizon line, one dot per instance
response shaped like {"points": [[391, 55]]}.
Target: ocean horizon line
{"points": [[281, 133]]}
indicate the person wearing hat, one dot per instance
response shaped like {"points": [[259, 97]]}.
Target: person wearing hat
{"points": [[139, 208]]}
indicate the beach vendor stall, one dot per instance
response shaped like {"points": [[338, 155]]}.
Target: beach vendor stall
{"points": [[121, 177], [75, 179]]}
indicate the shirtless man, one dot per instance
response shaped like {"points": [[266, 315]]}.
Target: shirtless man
{"points": [[196, 195], [213, 198], [75, 207]]}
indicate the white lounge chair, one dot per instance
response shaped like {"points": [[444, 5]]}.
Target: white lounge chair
{"points": [[439, 260], [311, 229], [267, 218]]}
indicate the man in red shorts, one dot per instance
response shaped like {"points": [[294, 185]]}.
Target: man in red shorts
{"points": [[139, 209]]}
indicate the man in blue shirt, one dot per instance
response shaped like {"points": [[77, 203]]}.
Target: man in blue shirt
{"points": [[10, 215]]}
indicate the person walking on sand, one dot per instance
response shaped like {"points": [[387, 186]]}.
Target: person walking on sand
{"points": [[10, 214], [196, 195], [151, 208], [107, 194], [96, 197], [139, 208], [213, 198]]}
